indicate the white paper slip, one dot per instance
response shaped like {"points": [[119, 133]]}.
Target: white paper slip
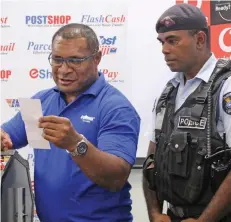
{"points": [[31, 111]]}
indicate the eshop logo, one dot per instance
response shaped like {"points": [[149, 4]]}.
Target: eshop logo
{"points": [[223, 45], [40, 74]]}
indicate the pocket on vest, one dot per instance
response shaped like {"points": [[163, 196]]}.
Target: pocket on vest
{"points": [[186, 176], [178, 158]]}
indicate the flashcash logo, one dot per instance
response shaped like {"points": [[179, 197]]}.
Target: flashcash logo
{"points": [[4, 22], [13, 103], [47, 20], [7, 48], [111, 76], [38, 48], [107, 45], [5, 75], [103, 20], [221, 40], [40, 74]]}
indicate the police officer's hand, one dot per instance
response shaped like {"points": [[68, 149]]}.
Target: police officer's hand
{"points": [[6, 142], [161, 218], [190, 220], [59, 131]]}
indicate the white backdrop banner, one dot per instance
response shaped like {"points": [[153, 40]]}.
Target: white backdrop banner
{"points": [[132, 59], [27, 28]]}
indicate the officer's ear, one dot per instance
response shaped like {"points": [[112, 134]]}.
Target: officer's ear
{"points": [[201, 39]]}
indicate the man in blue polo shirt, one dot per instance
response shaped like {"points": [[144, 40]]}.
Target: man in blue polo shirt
{"points": [[93, 132]]}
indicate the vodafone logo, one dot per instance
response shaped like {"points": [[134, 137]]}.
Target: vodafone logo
{"points": [[198, 5], [223, 45]]}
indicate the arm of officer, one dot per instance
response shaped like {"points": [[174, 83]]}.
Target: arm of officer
{"points": [[153, 205], [220, 204]]}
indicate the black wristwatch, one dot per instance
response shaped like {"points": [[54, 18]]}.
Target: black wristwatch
{"points": [[81, 147]]}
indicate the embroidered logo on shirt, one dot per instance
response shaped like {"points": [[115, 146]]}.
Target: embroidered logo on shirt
{"points": [[186, 122], [87, 119], [226, 103]]}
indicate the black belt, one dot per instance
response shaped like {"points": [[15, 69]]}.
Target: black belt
{"points": [[192, 212], [187, 211]]}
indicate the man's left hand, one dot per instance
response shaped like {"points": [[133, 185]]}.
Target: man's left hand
{"points": [[59, 131]]}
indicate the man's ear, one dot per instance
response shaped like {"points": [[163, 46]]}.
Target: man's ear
{"points": [[97, 57], [201, 39]]}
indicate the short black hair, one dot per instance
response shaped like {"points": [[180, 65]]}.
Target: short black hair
{"points": [[77, 30], [207, 33]]}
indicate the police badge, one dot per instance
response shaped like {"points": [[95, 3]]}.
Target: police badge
{"points": [[226, 103]]}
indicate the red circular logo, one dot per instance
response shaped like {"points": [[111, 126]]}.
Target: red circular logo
{"points": [[34, 73]]}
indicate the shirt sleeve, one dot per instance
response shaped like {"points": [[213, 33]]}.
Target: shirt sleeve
{"points": [[153, 137], [119, 132], [225, 109], [15, 127]]}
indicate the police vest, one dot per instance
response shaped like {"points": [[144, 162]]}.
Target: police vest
{"points": [[182, 172]]}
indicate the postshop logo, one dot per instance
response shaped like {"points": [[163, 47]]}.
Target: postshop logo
{"points": [[5, 75], [47, 20]]}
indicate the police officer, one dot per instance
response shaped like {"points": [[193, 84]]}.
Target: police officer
{"points": [[192, 126]]}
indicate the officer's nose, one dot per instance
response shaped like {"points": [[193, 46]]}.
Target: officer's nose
{"points": [[165, 49]]}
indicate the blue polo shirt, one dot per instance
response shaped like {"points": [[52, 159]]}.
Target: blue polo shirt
{"points": [[62, 191]]}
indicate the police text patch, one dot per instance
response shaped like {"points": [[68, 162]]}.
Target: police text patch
{"points": [[187, 122], [226, 103]]}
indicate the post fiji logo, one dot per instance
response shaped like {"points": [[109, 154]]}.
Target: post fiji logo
{"points": [[39, 48], [13, 103], [47, 20], [107, 45], [111, 76], [4, 22], [87, 119], [103, 20]]}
